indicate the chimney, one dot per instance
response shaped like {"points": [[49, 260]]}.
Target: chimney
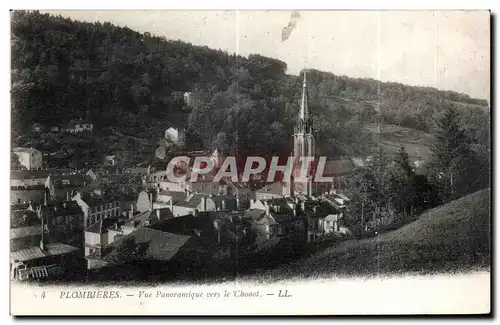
{"points": [[294, 208], [67, 196], [303, 206], [266, 205], [223, 204], [131, 210], [42, 244], [203, 204], [172, 204], [158, 214]]}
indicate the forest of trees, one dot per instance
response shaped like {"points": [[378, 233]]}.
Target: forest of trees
{"points": [[64, 70]]}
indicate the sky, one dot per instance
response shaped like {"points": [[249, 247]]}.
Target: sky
{"points": [[449, 50]]}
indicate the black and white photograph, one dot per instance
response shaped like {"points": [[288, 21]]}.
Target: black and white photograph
{"points": [[240, 160]]}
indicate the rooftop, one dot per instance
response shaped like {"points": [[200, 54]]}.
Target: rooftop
{"points": [[102, 226], [36, 252], [26, 150], [29, 174], [68, 180], [22, 232], [145, 243], [148, 217], [275, 188]]}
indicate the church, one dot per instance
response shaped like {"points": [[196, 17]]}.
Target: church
{"points": [[304, 146]]}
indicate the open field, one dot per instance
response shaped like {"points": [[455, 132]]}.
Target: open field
{"points": [[392, 137]]}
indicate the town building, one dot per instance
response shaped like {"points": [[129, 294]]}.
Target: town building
{"points": [[37, 128], [63, 186], [28, 178], [97, 237], [136, 171], [299, 218], [282, 218], [183, 203], [34, 255], [151, 246], [29, 157], [80, 126], [27, 186], [188, 99], [65, 220], [110, 160], [137, 221], [175, 136]]}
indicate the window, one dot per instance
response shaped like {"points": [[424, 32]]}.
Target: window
{"points": [[281, 230]]}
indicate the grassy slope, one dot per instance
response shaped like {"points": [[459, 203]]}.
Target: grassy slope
{"points": [[451, 237]]}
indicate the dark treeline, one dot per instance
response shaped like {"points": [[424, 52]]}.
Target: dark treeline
{"points": [[64, 70]]}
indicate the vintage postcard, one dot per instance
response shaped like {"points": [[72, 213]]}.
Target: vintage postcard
{"points": [[250, 162]]}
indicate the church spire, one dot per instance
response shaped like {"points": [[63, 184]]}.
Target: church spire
{"points": [[304, 109]]}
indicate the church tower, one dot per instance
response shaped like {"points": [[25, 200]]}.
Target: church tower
{"points": [[303, 143]]}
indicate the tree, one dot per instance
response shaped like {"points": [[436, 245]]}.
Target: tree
{"points": [[402, 192], [221, 143], [369, 190]]}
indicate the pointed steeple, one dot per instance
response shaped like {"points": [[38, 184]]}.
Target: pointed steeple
{"points": [[304, 109]]}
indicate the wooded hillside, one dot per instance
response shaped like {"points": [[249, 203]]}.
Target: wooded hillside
{"points": [[64, 69]]}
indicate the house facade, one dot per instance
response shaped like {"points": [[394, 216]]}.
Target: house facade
{"points": [[62, 187], [176, 136], [65, 220], [29, 157], [97, 236], [80, 127], [97, 208]]}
